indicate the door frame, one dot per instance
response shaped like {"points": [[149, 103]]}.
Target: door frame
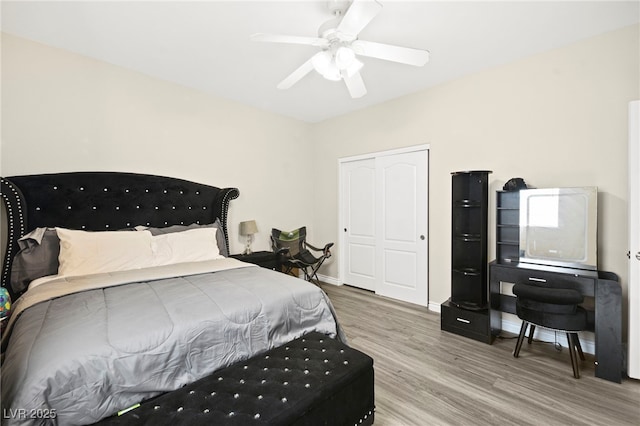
{"points": [[341, 220], [633, 284]]}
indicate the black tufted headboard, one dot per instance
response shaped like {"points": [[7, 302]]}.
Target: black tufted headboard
{"points": [[98, 201]]}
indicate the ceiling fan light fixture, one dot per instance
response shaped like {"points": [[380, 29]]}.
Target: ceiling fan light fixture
{"points": [[325, 64], [338, 39], [345, 57], [332, 72], [321, 62], [354, 68]]}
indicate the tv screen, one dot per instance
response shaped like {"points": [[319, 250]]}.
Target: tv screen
{"points": [[558, 227]]}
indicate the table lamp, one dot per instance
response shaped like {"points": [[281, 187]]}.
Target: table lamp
{"points": [[248, 228]]}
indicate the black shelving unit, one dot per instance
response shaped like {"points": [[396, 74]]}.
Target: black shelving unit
{"points": [[507, 226], [466, 312]]}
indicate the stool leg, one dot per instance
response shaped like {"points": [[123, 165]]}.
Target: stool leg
{"points": [[531, 330], [578, 346], [523, 331], [574, 357]]}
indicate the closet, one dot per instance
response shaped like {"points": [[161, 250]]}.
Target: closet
{"points": [[383, 223]]}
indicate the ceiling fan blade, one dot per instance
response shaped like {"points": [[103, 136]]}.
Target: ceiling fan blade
{"points": [[355, 85], [275, 38], [358, 16], [298, 74], [404, 55]]}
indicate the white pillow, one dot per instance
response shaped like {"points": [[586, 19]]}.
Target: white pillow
{"points": [[193, 245], [83, 253]]}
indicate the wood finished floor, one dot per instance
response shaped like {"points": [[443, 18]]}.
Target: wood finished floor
{"points": [[425, 376]]}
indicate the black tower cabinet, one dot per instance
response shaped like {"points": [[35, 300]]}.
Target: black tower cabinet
{"points": [[466, 312], [469, 211]]}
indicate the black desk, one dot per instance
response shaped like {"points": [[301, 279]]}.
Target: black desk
{"points": [[606, 313]]}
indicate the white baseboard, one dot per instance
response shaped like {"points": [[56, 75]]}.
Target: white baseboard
{"points": [[587, 342], [329, 280], [511, 324], [433, 306]]}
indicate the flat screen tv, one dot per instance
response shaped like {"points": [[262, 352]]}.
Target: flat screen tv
{"points": [[558, 227]]}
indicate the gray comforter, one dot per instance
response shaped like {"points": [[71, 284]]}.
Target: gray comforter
{"points": [[86, 355]]}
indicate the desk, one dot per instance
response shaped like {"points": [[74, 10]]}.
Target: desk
{"points": [[606, 315]]}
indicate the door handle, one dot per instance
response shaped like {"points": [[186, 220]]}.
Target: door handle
{"points": [[422, 238], [638, 255]]}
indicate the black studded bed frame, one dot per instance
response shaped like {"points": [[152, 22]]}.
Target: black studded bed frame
{"points": [[99, 201]]}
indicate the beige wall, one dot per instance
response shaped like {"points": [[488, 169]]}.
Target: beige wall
{"points": [[555, 119], [66, 112]]}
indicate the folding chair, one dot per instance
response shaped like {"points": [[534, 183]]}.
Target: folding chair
{"points": [[295, 252]]}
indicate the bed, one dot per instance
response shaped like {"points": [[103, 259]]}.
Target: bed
{"points": [[160, 307]]}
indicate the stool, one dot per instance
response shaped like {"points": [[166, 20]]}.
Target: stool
{"points": [[554, 307]]}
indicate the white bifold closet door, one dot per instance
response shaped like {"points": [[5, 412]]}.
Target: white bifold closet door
{"points": [[384, 220]]}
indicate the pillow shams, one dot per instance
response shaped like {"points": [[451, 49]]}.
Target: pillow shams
{"points": [[83, 253], [38, 257], [222, 244], [193, 245]]}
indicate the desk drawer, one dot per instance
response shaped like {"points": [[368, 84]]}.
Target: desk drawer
{"points": [[585, 285], [473, 324]]}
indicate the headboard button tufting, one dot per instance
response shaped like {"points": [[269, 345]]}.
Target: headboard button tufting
{"points": [[89, 200]]}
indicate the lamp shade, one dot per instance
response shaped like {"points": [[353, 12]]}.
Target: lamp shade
{"points": [[344, 57], [248, 227]]}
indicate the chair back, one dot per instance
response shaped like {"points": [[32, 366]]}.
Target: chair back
{"points": [[553, 307], [291, 240]]}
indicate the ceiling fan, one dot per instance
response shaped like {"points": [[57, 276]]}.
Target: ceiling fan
{"points": [[340, 46]]}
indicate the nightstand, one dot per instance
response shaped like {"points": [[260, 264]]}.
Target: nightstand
{"points": [[264, 259]]}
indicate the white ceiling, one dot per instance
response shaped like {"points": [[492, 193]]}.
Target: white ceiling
{"points": [[205, 44]]}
